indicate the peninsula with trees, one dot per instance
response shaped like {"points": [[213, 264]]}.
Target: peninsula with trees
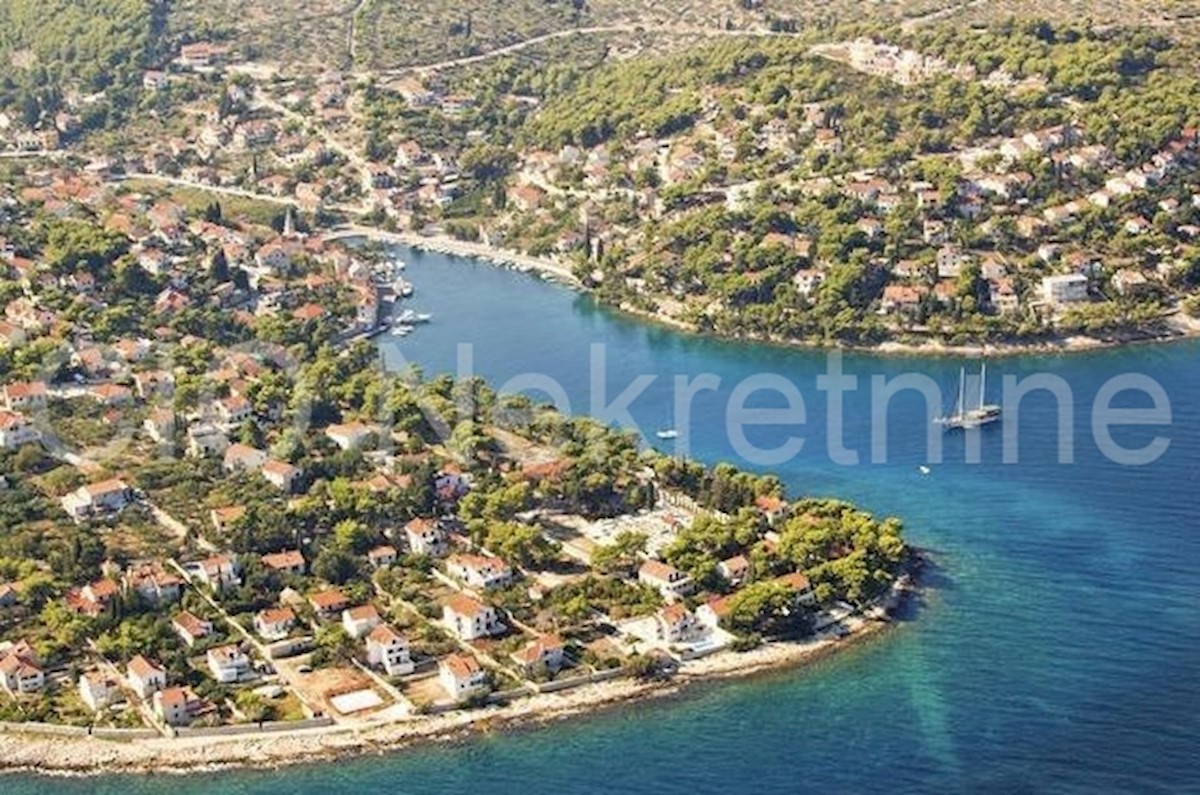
{"points": [[230, 537]]}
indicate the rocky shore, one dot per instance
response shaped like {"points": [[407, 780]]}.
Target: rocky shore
{"points": [[82, 756]]}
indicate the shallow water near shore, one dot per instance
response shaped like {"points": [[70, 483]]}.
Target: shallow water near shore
{"points": [[1056, 652]]}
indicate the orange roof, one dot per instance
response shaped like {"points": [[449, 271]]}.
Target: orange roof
{"points": [[276, 615], [658, 570], [279, 468], [230, 652], [329, 599], [736, 563], [719, 605], [461, 666], [216, 563], [105, 487], [420, 525], [536, 649], [177, 696], [464, 605], [796, 581], [674, 613], [288, 559], [385, 635], [143, 668], [103, 589], [384, 551], [769, 503], [24, 389], [477, 562], [9, 420], [237, 450], [192, 625], [363, 613], [309, 312]]}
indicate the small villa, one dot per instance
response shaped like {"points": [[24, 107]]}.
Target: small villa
{"points": [[468, 618], [462, 676], [666, 579]]}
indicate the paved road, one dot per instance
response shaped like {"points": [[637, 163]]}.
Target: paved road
{"points": [[598, 30]]}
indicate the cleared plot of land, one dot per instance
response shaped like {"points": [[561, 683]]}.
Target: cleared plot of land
{"points": [[356, 701]]}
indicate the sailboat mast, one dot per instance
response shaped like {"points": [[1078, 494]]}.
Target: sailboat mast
{"points": [[962, 389], [982, 383]]}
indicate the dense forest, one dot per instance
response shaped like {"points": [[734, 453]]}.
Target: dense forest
{"points": [[93, 48]]}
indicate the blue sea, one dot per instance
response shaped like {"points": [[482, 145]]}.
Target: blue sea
{"points": [[1055, 651]]}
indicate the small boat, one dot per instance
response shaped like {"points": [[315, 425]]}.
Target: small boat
{"points": [[667, 433], [423, 317], [924, 470], [965, 418], [401, 331]]}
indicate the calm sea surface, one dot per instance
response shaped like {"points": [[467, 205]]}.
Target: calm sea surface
{"points": [[1057, 653]]}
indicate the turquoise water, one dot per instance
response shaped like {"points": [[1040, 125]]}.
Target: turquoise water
{"points": [[1056, 654]]}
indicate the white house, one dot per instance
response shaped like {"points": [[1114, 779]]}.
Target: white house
{"points": [[145, 676], [328, 603], [382, 556], [425, 538], [108, 496], [711, 612], [234, 410], [206, 439], [666, 579], [479, 571], [227, 663], [388, 649], [191, 628], [99, 690], [1128, 281], [807, 280], [20, 669], [153, 583], [160, 425], [289, 561], [545, 652], [25, 395], [675, 623], [275, 623], [735, 569], [218, 572], [469, 618], [358, 621], [950, 261], [461, 676], [281, 475], [177, 706], [1065, 289], [351, 435], [16, 430], [244, 458]]}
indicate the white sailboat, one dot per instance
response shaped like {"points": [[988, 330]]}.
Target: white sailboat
{"points": [[965, 418], [667, 431]]}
